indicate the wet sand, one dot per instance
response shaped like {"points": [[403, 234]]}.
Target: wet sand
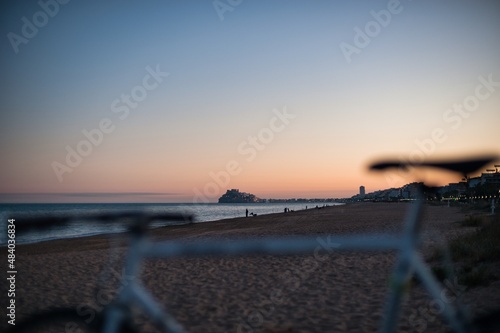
{"points": [[340, 292]]}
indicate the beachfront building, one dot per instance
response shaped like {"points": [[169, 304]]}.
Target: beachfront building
{"points": [[362, 191], [453, 190], [473, 182], [410, 191], [490, 178], [485, 186]]}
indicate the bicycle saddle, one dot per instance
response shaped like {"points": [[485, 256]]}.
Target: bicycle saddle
{"points": [[464, 166]]}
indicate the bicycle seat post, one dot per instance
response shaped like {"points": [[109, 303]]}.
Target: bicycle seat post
{"points": [[413, 220], [133, 257]]}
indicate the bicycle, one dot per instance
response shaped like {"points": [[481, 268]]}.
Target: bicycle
{"points": [[115, 317]]}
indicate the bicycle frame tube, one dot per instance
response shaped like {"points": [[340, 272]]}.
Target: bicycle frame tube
{"points": [[272, 246], [115, 312], [453, 314], [162, 318], [133, 292]]}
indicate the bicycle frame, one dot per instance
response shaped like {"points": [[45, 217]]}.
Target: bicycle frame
{"points": [[409, 261]]}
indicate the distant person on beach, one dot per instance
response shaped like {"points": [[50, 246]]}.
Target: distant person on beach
{"points": [[246, 212]]}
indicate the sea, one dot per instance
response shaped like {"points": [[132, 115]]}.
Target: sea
{"points": [[203, 213]]}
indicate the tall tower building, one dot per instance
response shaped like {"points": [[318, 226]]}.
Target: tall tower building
{"points": [[362, 191]]}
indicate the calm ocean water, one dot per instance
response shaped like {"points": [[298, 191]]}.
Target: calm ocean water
{"points": [[203, 213]]}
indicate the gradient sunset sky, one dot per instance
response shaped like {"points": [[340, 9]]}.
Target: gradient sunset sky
{"points": [[277, 98]]}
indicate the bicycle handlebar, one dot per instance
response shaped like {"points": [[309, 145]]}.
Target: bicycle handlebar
{"points": [[140, 218]]}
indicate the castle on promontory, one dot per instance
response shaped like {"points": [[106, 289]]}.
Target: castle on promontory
{"points": [[235, 196]]}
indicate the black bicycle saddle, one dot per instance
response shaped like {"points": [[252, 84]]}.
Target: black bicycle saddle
{"points": [[464, 166]]}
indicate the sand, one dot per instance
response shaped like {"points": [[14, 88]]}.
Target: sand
{"points": [[344, 293]]}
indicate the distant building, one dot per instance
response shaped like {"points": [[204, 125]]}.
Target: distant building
{"points": [[454, 190], [473, 182], [490, 178], [235, 196], [362, 191], [394, 194], [410, 191]]}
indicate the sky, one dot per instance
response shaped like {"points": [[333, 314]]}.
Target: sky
{"points": [[178, 101]]}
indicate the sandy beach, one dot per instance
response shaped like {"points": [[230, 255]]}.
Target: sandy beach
{"points": [[344, 293]]}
